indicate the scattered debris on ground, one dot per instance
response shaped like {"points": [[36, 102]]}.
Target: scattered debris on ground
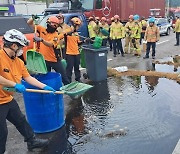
{"points": [[115, 133], [114, 73]]}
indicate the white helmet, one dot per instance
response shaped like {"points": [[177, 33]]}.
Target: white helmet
{"points": [[16, 36]]}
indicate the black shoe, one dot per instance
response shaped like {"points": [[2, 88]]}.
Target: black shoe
{"points": [[37, 143], [114, 55], [79, 81], [176, 45], [122, 55], [153, 57], [145, 57]]}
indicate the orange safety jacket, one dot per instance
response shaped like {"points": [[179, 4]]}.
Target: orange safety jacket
{"points": [[152, 34], [13, 70]]}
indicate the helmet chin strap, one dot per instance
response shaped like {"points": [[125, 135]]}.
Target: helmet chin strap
{"points": [[13, 57]]}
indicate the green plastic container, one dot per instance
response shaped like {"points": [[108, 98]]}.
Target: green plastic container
{"points": [[97, 42], [82, 60], [104, 32]]}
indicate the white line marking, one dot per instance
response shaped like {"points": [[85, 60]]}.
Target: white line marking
{"points": [[162, 42], [109, 59], [177, 148]]}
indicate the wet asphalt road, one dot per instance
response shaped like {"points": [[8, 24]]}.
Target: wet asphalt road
{"points": [[165, 48]]}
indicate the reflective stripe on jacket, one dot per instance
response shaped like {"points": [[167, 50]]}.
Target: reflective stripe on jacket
{"points": [[136, 30], [117, 31], [128, 28]]}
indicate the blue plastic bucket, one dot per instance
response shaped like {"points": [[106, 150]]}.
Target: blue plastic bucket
{"points": [[45, 112]]}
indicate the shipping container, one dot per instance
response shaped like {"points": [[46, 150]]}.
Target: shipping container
{"points": [[123, 8]]}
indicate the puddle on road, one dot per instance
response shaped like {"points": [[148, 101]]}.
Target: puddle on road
{"points": [[147, 109], [167, 68]]}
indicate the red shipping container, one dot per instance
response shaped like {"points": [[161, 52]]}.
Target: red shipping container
{"points": [[124, 8]]}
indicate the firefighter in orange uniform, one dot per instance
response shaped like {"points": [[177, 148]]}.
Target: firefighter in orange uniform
{"points": [[49, 39], [72, 41], [12, 70]]}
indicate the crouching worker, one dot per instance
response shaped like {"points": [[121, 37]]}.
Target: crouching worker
{"points": [[72, 42], [12, 70]]}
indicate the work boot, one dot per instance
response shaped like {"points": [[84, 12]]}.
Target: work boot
{"points": [[145, 57], [37, 143], [79, 80]]}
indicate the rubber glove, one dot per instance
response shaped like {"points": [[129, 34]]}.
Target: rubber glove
{"points": [[49, 89], [37, 39], [20, 88], [34, 17]]}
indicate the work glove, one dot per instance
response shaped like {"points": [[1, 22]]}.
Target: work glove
{"points": [[34, 17], [20, 88], [49, 89], [133, 40], [37, 39]]}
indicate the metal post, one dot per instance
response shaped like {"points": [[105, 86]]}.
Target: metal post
{"points": [[167, 12], [47, 3], [27, 8]]}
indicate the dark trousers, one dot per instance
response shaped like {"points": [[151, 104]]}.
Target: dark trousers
{"points": [[142, 37], [117, 45], [149, 44], [73, 61], [12, 113], [64, 53], [110, 43], [177, 37], [57, 66], [104, 42]]}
